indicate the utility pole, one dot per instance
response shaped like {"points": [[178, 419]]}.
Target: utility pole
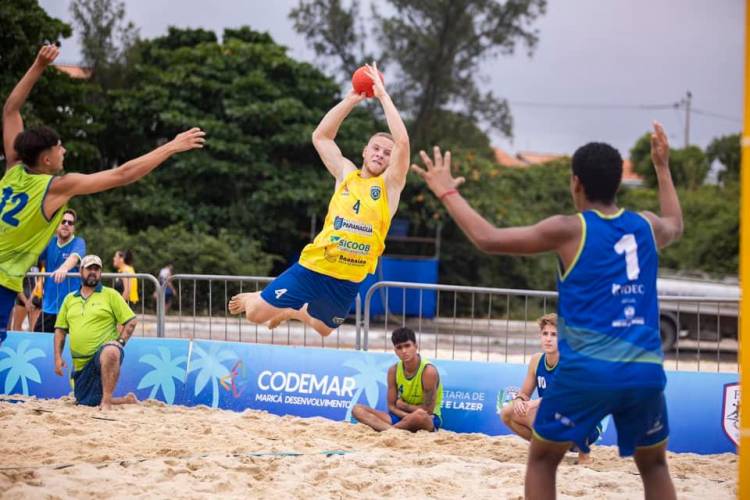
{"points": [[687, 100]]}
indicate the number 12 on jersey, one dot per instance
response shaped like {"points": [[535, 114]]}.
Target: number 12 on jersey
{"points": [[17, 202]]}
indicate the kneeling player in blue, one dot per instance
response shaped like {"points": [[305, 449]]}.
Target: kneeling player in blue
{"points": [[520, 414], [611, 361], [415, 392]]}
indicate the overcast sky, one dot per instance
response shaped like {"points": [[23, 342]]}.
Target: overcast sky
{"points": [[616, 53]]}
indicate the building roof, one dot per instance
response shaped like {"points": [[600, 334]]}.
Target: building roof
{"points": [[527, 158]]}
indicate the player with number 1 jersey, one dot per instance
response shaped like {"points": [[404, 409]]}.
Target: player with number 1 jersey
{"points": [[33, 195], [608, 313], [320, 289]]}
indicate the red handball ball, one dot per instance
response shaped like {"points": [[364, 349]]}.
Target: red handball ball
{"points": [[362, 83]]}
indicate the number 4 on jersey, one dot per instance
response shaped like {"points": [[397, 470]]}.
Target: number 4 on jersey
{"points": [[356, 207]]}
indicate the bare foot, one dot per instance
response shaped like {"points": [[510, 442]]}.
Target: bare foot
{"points": [[583, 459], [130, 399], [105, 405], [237, 304]]}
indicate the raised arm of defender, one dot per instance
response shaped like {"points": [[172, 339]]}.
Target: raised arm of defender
{"points": [[12, 121], [559, 233], [667, 226], [64, 188]]}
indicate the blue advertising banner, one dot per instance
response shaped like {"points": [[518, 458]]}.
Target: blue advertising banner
{"points": [[307, 382]]}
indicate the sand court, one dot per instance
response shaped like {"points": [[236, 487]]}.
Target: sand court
{"points": [[52, 448]]}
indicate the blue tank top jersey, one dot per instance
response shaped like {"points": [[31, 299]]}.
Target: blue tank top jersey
{"points": [[608, 308], [544, 374]]}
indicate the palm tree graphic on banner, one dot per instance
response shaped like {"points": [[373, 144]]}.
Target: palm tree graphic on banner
{"points": [[210, 368], [19, 366], [370, 376], [162, 376]]}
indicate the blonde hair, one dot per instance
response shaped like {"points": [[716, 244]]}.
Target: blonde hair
{"points": [[547, 319], [382, 134]]}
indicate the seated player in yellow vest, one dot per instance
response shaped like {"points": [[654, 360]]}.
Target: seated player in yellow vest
{"points": [[33, 196], [319, 289], [91, 317], [415, 392]]}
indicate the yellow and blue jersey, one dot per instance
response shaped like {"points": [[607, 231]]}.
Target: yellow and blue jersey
{"points": [[608, 307], [24, 230], [353, 235]]}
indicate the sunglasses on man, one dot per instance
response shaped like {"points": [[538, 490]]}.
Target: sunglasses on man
{"points": [[68, 222]]}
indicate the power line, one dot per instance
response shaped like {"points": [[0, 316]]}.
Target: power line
{"points": [[717, 115], [561, 105], [580, 105]]}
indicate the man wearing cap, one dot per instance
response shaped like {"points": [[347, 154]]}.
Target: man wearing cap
{"points": [[91, 317]]}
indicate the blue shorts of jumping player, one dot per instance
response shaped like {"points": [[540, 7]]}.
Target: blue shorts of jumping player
{"points": [[87, 382], [329, 299], [7, 301], [567, 414], [436, 421]]}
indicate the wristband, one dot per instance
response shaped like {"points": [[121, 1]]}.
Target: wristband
{"points": [[447, 193]]}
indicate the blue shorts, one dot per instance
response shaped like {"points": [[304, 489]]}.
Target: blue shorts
{"points": [[436, 421], [568, 414], [87, 382], [329, 299], [7, 301]]}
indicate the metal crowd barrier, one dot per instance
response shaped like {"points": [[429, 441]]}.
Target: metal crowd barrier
{"points": [[149, 307], [499, 324], [202, 312], [471, 323]]}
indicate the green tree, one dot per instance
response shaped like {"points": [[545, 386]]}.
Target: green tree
{"points": [[711, 218], [726, 150], [57, 100], [689, 165], [106, 38], [437, 47]]}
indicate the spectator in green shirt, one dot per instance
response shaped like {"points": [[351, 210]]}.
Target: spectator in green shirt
{"points": [[91, 317]]}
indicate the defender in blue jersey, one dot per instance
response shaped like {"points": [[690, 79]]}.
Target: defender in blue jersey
{"points": [[520, 414], [608, 328]]}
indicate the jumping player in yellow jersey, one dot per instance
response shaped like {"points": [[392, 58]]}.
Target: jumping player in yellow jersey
{"points": [[320, 289], [33, 197]]}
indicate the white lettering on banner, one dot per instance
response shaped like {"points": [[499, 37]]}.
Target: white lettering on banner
{"points": [[463, 400], [462, 405], [307, 383]]}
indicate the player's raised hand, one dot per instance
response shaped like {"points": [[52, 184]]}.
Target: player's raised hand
{"points": [[46, 55], [659, 147], [378, 87], [356, 98], [437, 172], [190, 139]]}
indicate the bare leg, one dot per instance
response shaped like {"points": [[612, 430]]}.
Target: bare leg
{"points": [[302, 316], [371, 417], [583, 458], [109, 360], [129, 399], [19, 313], [652, 464], [418, 420], [541, 468], [33, 317], [519, 424]]}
